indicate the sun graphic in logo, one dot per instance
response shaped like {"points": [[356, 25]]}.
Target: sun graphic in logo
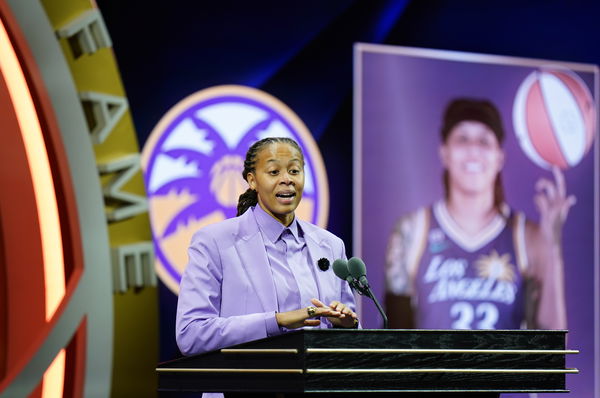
{"points": [[494, 266], [227, 183]]}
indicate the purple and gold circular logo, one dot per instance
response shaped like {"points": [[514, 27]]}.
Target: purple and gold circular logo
{"points": [[193, 162]]}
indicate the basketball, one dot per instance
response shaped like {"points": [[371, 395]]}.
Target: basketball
{"points": [[554, 117]]}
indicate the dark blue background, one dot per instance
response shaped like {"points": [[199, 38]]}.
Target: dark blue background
{"points": [[301, 52]]}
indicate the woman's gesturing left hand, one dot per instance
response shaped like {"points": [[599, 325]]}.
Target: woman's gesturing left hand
{"points": [[346, 318]]}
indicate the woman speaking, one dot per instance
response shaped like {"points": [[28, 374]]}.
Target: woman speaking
{"points": [[256, 275]]}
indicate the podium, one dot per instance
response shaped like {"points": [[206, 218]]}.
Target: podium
{"points": [[342, 362]]}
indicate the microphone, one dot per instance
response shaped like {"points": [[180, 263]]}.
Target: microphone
{"points": [[340, 269], [358, 270]]}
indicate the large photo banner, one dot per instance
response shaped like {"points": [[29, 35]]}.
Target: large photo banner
{"points": [[476, 194]]}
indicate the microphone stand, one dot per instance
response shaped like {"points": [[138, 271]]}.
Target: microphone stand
{"points": [[379, 308], [365, 290]]}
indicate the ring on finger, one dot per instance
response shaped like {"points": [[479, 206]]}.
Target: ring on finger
{"points": [[311, 311]]}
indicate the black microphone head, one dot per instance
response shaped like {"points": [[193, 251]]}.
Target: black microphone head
{"points": [[340, 268], [357, 267]]}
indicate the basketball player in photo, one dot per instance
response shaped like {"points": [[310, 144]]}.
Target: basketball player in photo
{"points": [[469, 261]]}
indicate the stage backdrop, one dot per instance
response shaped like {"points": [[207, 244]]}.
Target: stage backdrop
{"points": [[400, 97]]}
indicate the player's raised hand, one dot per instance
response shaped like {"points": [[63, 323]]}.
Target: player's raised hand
{"points": [[553, 204]]}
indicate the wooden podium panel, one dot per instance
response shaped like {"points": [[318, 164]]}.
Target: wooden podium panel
{"points": [[380, 362]]}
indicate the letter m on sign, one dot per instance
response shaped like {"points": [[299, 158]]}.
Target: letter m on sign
{"points": [[121, 205]]}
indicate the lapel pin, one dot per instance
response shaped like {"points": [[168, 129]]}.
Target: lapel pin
{"points": [[323, 264]]}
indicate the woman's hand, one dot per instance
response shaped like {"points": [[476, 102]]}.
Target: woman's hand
{"points": [[553, 204], [342, 317], [339, 314], [301, 317]]}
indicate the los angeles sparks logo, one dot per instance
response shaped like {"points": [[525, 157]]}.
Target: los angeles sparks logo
{"points": [[193, 162]]}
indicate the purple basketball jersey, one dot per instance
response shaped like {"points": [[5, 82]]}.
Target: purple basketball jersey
{"points": [[473, 283]]}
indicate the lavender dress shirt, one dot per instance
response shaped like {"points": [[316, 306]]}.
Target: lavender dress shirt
{"points": [[228, 293], [293, 275]]}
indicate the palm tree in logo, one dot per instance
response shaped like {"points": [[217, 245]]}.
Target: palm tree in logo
{"points": [[195, 175]]}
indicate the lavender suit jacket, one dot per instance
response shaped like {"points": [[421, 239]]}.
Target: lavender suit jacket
{"points": [[227, 292]]}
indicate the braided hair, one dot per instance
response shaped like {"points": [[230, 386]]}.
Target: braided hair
{"points": [[250, 197]]}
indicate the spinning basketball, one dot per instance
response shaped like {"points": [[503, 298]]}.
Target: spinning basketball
{"points": [[554, 117]]}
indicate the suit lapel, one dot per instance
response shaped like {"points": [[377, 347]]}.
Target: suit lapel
{"points": [[317, 248], [252, 253]]}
